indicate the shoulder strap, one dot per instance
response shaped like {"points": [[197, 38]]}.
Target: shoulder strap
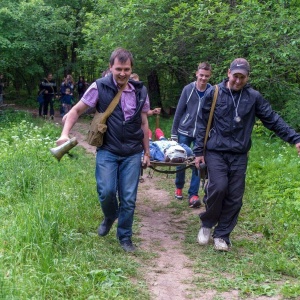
{"points": [[211, 115], [41, 92], [113, 103], [50, 85]]}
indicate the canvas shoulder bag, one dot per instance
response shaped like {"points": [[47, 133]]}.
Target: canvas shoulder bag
{"points": [[98, 125]]}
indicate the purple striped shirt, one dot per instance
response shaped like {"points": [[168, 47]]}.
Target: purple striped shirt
{"points": [[128, 101]]}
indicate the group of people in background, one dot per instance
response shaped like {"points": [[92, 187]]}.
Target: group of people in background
{"points": [[118, 160], [48, 93]]}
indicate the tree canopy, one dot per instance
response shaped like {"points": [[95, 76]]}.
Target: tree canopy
{"points": [[167, 38]]}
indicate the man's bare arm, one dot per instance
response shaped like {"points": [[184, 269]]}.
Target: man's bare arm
{"points": [[70, 119]]}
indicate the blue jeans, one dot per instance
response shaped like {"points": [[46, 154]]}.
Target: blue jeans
{"points": [[180, 176], [117, 180]]}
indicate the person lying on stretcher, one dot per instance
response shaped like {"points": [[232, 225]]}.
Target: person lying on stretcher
{"points": [[169, 151]]}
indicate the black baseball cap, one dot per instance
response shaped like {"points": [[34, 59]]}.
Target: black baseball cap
{"points": [[240, 65]]}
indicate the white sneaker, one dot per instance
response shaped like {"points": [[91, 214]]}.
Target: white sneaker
{"points": [[203, 235], [220, 245]]}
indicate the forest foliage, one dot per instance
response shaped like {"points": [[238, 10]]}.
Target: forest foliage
{"points": [[167, 38]]}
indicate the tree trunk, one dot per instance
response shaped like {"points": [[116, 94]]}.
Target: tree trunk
{"points": [[154, 90], [74, 55]]}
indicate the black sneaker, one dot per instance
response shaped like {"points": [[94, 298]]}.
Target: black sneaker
{"points": [[105, 227], [194, 202], [127, 246]]}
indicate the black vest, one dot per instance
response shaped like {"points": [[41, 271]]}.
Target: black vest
{"points": [[122, 137]]}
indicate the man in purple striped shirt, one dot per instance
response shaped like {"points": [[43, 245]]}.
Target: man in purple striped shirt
{"points": [[118, 160]]}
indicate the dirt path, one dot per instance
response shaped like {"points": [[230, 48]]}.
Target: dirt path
{"points": [[169, 274], [161, 233]]}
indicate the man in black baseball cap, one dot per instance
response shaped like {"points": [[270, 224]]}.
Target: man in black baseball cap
{"points": [[226, 153], [240, 65]]}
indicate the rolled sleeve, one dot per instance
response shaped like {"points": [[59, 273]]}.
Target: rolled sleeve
{"points": [[90, 97]]}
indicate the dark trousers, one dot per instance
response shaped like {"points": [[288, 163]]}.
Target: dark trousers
{"points": [[224, 191], [41, 105], [48, 99]]}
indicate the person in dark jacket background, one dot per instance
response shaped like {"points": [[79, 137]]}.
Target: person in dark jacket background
{"points": [[185, 124], [118, 160], [81, 86], [226, 152], [49, 90]]}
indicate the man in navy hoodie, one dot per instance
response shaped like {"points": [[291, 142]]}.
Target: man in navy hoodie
{"points": [[185, 124]]}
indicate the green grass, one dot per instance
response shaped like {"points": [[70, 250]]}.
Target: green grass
{"points": [[49, 213]]}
